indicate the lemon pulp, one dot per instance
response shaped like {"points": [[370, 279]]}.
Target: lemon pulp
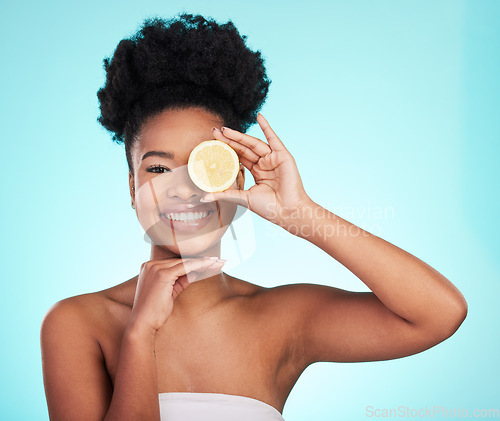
{"points": [[213, 165]]}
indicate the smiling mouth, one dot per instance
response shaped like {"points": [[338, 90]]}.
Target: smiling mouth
{"points": [[186, 217]]}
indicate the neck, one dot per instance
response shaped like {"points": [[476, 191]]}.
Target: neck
{"points": [[210, 289]]}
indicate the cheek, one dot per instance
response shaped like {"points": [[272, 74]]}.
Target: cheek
{"points": [[147, 209], [146, 198]]}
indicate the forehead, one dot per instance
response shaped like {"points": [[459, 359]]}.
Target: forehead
{"points": [[176, 131]]}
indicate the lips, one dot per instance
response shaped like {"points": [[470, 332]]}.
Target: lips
{"points": [[187, 217]]}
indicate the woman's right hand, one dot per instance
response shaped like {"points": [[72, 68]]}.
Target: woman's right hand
{"points": [[159, 283]]}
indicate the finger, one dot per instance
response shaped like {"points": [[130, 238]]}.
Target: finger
{"points": [[239, 197], [273, 140], [247, 163], [241, 150], [176, 260], [256, 145], [204, 272], [183, 280], [180, 284], [177, 288], [192, 265], [169, 260], [168, 264]]}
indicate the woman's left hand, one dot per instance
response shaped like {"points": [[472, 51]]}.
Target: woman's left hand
{"points": [[278, 192]]}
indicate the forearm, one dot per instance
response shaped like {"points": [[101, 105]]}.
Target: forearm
{"points": [[403, 283], [135, 394]]}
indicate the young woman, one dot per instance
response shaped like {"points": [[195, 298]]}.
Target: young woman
{"points": [[161, 346]]}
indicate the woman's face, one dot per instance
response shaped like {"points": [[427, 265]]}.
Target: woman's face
{"points": [[167, 202]]}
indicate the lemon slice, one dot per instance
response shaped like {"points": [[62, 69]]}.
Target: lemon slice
{"points": [[213, 166]]}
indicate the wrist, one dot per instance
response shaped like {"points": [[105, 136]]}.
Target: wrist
{"points": [[293, 219], [138, 331]]}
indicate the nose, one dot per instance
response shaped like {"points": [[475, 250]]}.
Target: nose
{"points": [[181, 186]]}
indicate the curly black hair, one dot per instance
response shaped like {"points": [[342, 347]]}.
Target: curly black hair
{"points": [[181, 62]]}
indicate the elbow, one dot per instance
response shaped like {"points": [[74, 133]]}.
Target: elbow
{"points": [[454, 317], [443, 317], [462, 311], [444, 320]]}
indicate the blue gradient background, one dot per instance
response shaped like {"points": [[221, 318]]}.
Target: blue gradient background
{"points": [[390, 109]]}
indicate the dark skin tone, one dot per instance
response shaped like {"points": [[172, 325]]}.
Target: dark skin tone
{"points": [[199, 344]]}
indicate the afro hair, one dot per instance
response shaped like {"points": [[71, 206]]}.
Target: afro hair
{"points": [[178, 63]]}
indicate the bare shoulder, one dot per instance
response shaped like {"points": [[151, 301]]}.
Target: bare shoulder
{"points": [[83, 306], [76, 309], [285, 301], [290, 298], [71, 354], [71, 321], [88, 312]]}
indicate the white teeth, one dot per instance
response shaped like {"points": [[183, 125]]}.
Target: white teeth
{"points": [[186, 216]]}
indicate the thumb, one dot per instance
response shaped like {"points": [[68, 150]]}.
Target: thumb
{"points": [[239, 197]]}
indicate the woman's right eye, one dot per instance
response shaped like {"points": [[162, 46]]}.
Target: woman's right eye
{"points": [[158, 169]]}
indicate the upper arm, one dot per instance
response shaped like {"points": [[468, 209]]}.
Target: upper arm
{"points": [[336, 325], [77, 385]]}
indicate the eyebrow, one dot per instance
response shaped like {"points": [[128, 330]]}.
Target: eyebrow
{"points": [[161, 154]]}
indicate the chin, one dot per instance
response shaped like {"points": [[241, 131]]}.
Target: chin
{"points": [[192, 248], [184, 245]]}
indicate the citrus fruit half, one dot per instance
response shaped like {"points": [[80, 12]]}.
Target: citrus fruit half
{"points": [[213, 166]]}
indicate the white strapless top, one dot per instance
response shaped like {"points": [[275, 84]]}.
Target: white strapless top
{"points": [[194, 406]]}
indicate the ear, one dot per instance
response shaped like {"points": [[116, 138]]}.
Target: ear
{"points": [[130, 185], [240, 178]]}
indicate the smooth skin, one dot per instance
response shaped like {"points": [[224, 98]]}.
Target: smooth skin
{"points": [[107, 355]]}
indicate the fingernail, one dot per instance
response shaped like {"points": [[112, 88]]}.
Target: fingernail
{"points": [[224, 128], [222, 260], [216, 129], [213, 258]]}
